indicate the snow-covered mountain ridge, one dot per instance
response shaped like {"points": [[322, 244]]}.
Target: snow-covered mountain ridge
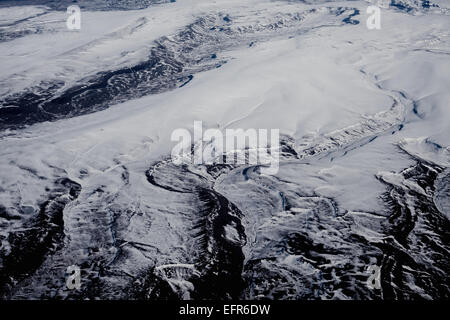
{"points": [[86, 119]]}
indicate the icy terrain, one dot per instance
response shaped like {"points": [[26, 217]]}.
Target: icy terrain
{"points": [[85, 124]]}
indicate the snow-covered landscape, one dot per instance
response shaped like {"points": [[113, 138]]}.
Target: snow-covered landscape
{"points": [[86, 179]]}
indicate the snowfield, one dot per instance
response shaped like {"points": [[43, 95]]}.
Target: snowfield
{"points": [[85, 124]]}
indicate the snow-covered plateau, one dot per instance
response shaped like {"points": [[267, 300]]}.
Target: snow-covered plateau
{"points": [[86, 118]]}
